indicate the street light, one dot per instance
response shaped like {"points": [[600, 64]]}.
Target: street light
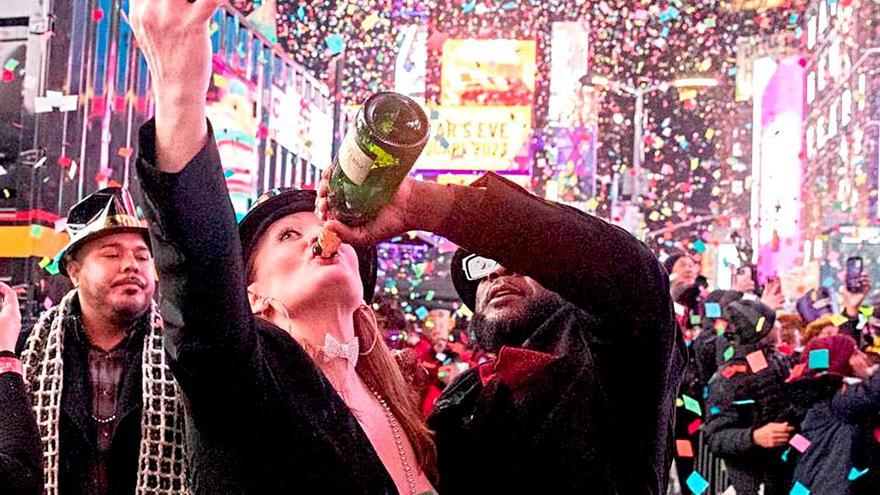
{"points": [[638, 118]]}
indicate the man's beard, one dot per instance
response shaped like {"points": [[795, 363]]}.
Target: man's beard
{"points": [[514, 329]]}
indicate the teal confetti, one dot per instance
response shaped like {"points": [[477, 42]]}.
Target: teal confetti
{"points": [[11, 64], [335, 43], [691, 405], [854, 473], [799, 489], [228, 173], [713, 310], [697, 483], [818, 359]]}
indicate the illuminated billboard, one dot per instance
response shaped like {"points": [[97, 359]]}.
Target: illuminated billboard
{"points": [[231, 110], [484, 117], [467, 139], [778, 91], [487, 72], [569, 62]]}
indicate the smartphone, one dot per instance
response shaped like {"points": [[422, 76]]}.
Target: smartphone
{"points": [[854, 266]]}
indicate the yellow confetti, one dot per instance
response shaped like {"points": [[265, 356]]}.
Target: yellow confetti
{"points": [[760, 326], [838, 320]]}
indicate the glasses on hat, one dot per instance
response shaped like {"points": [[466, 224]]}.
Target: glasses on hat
{"points": [[271, 193], [477, 267]]}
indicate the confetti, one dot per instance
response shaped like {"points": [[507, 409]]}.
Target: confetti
{"points": [[757, 361], [684, 448], [855, 474], [818, 359], [697, 483], [713, 310], [335, 43], [838, 320], [728, 353], [799, 489], [691, 405], [799, 442]]}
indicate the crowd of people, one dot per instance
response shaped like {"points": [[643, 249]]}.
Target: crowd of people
{"points": [[788, 400], [263, 368], [255, 365]]}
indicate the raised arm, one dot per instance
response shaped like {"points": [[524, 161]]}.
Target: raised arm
{"points": [[591, 263], [208, 323]]}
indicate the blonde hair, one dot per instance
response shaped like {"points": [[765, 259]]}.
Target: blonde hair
{"points": [[380, 371], [815, 328]]}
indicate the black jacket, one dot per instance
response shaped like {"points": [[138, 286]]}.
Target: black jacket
{"points": [[840, 431], [261, 417], [599, 418], [739, 404], [21, 457], [77, 433]]}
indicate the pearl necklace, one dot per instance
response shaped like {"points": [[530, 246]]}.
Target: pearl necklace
{"points": [[398, 440]]}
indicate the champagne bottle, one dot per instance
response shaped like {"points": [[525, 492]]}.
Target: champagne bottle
{"points": [[388, 135]]}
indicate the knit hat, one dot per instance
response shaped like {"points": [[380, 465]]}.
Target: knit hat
{"points": [[840, 348], [749, 322], [670, 260]]}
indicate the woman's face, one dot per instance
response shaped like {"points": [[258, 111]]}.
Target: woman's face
{"points": [[285, 267]]}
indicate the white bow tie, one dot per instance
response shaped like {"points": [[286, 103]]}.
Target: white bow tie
{"points": [[334, 349]]}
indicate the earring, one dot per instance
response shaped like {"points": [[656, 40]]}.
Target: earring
{"points": [[375, 325]]}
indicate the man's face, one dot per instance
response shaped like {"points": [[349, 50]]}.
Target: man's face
{"points": [[685, 271], [114, 274], [509, 307]]}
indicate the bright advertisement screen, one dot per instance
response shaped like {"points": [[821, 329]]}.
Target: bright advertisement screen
{"points": [[301, 125], [468, 139], [484, 118], [230, 109], [776, 162], [569, 62], [488, 72]]}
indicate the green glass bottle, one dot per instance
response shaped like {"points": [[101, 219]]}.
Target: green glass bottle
{"points": [[389, 133]]}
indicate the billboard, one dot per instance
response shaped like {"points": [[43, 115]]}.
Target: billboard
{"points": [[467, 139], [231, 109], [488, 72], [301, 125], [778, 89], [484, 118], [569, 62]]}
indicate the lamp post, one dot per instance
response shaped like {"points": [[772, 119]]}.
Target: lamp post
{"points": [[638, 93]]}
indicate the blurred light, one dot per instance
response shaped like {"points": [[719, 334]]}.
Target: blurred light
{"points": [[695, 82]]}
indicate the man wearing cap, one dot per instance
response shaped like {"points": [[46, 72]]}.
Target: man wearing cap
{"points": [[581, 396], [107, 406]]}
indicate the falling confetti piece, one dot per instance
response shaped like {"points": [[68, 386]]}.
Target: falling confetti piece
{"points": [[799, 489], [799, 442], [855, 474], [697, 483], [335, 43]]}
